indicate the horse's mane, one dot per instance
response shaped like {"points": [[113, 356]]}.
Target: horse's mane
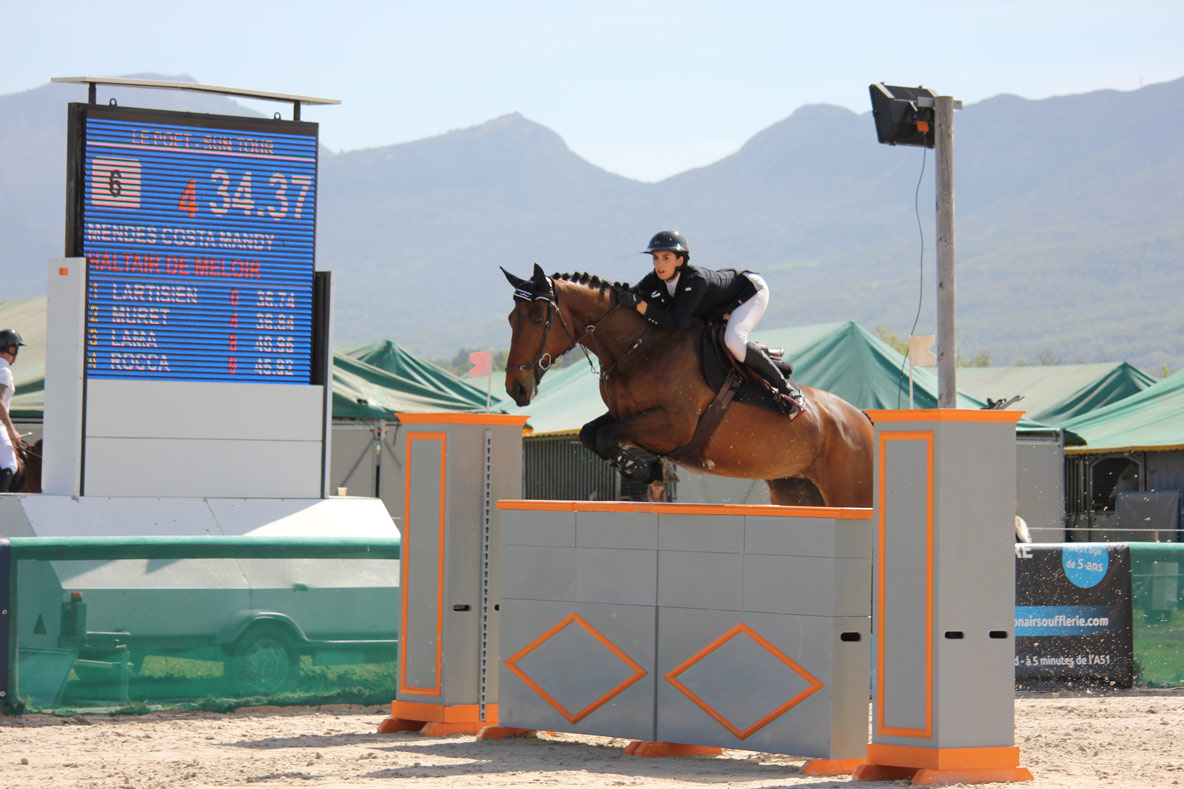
{"points": [[591, 281]]}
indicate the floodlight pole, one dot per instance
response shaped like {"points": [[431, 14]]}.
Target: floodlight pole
{"points": [[947, 385]]}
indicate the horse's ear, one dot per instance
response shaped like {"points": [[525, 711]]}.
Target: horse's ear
{"points": [[539, 278], [519, 284]]}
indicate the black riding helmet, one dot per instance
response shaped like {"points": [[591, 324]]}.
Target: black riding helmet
{"points": [[668, 241], [10, 338]]}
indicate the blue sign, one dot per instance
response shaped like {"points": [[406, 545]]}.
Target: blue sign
{"points": [[198, 233], [1085, 565]]}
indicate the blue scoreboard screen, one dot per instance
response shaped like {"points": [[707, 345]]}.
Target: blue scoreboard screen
{"points": [[198, 233]]}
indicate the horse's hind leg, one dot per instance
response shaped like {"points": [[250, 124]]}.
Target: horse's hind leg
{"points": [[795, 492]]}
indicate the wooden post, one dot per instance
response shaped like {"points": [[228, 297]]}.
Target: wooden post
{"points": [[947, 388]]}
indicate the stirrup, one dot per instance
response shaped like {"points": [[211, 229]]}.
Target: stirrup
{"points": [[789, 403]]}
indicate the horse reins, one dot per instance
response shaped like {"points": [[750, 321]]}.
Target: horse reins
{"points": [[543, 360]]}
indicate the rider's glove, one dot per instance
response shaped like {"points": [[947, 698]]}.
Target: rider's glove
{"points": [[628, 298]]}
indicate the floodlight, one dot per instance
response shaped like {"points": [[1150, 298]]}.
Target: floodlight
{"points": [[904, 116]]}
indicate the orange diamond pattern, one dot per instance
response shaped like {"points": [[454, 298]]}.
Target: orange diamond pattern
{"points": [[813, 683], [574, 618]]}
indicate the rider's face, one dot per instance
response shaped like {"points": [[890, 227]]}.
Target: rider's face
{"points": [[666, 265]]}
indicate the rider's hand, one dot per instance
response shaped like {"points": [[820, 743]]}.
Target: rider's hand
{"points": [[628, 298]]}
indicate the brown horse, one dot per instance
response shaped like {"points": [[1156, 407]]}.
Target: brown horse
{"points": [[28, 473], [652, 382]]}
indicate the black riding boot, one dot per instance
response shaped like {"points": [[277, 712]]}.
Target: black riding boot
{"points": [[759, 361], [5, 479]]}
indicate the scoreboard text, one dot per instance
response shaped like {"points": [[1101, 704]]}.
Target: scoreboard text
{"points": [[198, 233]]}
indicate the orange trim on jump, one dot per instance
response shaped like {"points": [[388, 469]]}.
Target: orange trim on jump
{"points": [[406, 563], [762, 510], [944, 758], [881, 527], [943, 415], [575, 717], [438, 720], [651, 750], [813, 684], [462, 419], [929, 766]]}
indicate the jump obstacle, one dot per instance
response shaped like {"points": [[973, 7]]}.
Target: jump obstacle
{"points": [[691, 628]]}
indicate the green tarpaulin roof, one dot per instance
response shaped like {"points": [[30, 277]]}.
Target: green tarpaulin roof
{"points": [[1054, 394], [842, 358], [1153, 419], [389, 378]]}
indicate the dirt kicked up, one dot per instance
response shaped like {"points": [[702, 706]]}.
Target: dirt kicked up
{"points": [[1119, 739]]}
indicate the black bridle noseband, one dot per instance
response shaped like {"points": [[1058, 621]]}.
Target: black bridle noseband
{"points": [[543, 360]]}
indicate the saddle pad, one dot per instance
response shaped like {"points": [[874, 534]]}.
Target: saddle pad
{"points": [[717, 360]]}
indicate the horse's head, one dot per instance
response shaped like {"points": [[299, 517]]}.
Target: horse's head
{"points": [[533, 345]]}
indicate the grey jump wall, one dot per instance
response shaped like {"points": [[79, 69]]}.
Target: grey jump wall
{"points": [[730, 626]]}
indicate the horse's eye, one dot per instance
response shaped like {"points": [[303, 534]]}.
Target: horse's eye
{"points": [[538, 320]]}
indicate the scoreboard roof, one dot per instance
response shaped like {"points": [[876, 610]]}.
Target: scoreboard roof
{"points": [[159, 84]]}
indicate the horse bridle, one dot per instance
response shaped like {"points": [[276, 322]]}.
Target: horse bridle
{"points": [[543, 360]]}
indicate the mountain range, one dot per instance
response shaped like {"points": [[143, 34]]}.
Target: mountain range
{"points": [[1069, 211]]}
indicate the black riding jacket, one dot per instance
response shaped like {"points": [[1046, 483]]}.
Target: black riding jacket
{"points": [[701, 292]]}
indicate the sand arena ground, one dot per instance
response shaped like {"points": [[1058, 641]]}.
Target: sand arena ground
{"points": [[1120, 739]]}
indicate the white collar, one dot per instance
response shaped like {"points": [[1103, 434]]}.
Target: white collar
{"points": [[672, 283]]}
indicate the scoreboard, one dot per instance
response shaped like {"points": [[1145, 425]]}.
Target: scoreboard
{"points": [[198, 233]]}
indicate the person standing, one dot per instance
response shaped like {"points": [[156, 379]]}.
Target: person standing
{"points": [[10, 439]]}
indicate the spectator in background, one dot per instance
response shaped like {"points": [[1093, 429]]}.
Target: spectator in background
{"points": [[10, 439]]}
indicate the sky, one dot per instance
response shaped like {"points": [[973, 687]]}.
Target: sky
{"points": [[642, 88]]}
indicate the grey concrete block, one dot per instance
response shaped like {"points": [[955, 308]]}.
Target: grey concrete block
{"points": [[611, 575], [848, 537], [691, 579], [617, 530], [537, 573], [709, 533], [811, 586], [538, 527]]}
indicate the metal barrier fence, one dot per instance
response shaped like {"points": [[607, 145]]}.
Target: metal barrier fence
{"points": [[196, 621]]}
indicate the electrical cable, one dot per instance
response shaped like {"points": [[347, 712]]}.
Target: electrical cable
{"points": [[920, 272]]}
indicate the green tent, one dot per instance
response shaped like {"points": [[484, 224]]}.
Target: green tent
{"points": [[843, 358], [371, 381], [1055, 393], [1153, 419], [379, 379]]}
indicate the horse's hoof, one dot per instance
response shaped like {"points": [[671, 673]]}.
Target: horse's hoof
{"points": [[666, 471]]}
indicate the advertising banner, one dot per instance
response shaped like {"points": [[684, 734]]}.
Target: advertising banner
{"points": [[1073, 615]]}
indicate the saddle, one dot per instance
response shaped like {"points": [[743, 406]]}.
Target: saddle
{"points": [[731, 381], [718, 362]]}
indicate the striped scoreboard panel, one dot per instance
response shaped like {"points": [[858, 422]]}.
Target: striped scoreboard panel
{"points": [[198, 233]]}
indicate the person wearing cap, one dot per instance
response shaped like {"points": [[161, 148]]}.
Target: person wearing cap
{"points": [[676, 291], [10, 439]]}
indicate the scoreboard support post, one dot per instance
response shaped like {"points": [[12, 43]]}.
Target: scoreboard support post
{"points": [[61, 473]]}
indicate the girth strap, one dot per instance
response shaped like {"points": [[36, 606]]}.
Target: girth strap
{"points": [[689, 454]]}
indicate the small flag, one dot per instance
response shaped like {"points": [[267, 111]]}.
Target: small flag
{"points": [[921, 351], [482, 363]]}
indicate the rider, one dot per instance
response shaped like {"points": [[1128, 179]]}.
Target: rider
{"points": [[675, 291], [10, 439]]}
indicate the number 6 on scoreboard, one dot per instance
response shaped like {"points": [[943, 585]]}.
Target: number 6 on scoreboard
{"points": [[115, 183]]}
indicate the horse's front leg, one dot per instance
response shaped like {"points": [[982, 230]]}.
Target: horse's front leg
{"points": [[604, 436]]}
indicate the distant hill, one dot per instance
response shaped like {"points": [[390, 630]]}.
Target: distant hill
{"points": [[1070, 243]]}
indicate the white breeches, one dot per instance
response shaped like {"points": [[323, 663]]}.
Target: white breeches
{"points": [[745, 318], [7, 454]]}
